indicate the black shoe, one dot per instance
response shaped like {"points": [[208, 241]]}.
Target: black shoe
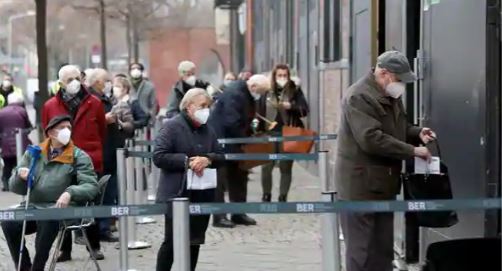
{"points": [[283, 198], [98, 255], [243, 220], [108, 237], [5, 189], [63, 257], [267, 197], [222, 222]]}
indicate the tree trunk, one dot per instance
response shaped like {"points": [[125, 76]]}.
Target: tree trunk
{"points": [[135, 39], [128, 37], [43, 92], [102, 23]]}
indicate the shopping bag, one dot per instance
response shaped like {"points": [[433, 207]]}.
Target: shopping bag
{"points": [[256, 148], [431, 187], [297, 146]]}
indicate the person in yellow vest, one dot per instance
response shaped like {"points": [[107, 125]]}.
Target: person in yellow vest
{"points": [[7, 87]]}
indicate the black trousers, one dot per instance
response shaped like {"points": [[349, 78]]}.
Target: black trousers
{"points": [[369, 241], [46, 234], [237, 182], [9, 164], [222, 185]]}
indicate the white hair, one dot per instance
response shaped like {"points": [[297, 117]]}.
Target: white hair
{"points": [[185, 66], [68, 70], [14, 98], [94, 75], [259, 79], [190, 95]]}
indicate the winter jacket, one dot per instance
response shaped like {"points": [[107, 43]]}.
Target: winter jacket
{"points": [[178, 92], [11, 117], [372, 142], [233, 113], [89, 124], [178, 140], [4, 94], [71, 172], [146, 96], [140, 117], [292, 117]]}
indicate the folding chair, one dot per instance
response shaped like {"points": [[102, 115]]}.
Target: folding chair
{"points": [[82, 226]]}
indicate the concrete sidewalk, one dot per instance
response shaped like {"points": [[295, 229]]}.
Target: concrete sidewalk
{"points": [[279, 242]]}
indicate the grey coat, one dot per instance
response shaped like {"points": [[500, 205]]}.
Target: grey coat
{"points": [[177, 141], [147, 98], [373, 139]]}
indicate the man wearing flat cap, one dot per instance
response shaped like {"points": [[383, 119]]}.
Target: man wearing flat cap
{"points": [[373, 139], [63, 176]]}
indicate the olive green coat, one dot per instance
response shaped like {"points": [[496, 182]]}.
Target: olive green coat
{"points": [[71, 172], [372, 142]]}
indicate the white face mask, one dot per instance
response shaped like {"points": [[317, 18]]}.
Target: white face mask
{"points": [[256, 96], [395, 89], [64, 136], [117, 92], [108, 87], [6, 83], [73, 87], [136, 73], [191, 80], [201, 115], [281, 82]]}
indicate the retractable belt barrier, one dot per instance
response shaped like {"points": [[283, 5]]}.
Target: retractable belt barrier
{"points": [[245, 156], [264, 139], [252, 208]]}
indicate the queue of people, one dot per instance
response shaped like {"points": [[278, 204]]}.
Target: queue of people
{"points": [[92, 113]]}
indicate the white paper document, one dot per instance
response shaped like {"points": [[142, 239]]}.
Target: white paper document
{"points": [[424, 167], [206, 181]]}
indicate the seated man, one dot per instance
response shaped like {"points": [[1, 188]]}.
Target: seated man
{"points": [[63, 176]]}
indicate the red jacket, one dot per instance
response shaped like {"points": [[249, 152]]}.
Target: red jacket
{"points": [[89, 125]]}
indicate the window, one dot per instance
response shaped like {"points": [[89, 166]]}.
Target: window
{"points": [[331, 36]]}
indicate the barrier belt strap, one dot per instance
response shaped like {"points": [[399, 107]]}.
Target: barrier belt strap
{"points": [[246, 156], [252, 208], [264, 139]]}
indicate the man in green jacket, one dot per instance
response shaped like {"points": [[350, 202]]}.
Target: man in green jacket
{"points": [[373, 139], [63, 176]]}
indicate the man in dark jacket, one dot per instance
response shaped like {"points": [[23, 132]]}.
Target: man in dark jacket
{"points": [[231, 118], [373, 139], [186, 71], [12, 116]]}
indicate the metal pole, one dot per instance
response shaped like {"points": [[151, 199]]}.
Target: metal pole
{"points": [[19, 144], [121, 183], [181, 241], [140, 192], [330, 231], [9, 48], [131, 221]]}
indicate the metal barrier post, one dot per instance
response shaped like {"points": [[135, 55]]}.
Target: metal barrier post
{"points": [[330, 231], [140, 192], [153, 179], [121, 183], [181, 240], [131, 221], [19, 144]]}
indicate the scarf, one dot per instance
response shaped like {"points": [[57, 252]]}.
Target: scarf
{"points": [[73, 101]]}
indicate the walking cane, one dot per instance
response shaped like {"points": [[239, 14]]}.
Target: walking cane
{"points": [[34, 152]]}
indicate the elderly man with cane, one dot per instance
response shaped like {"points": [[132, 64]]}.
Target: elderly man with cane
{"points": [[60, 175]]}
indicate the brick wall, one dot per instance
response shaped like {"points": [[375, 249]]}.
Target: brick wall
{"points": [[171, 45]]}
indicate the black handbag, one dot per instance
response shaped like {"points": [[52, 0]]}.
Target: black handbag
{"points": [[430, 187]]}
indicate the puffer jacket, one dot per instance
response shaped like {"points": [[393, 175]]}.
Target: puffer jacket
{"points": [[71, 172], [11, 117]]}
